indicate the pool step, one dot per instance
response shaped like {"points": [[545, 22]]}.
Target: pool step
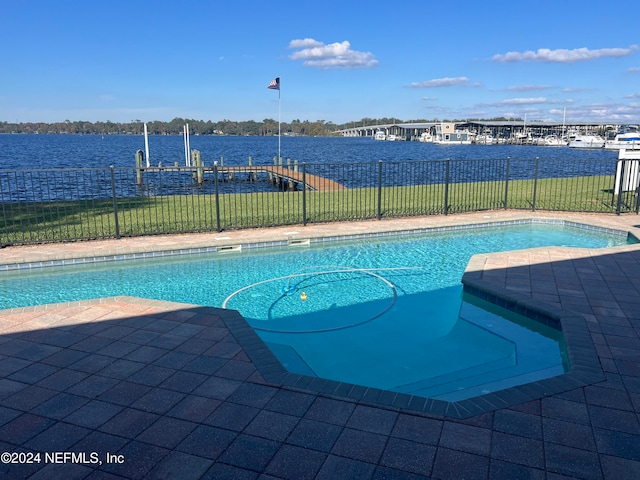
{"points": [[455, 380], [290, 359], [511, 380]]}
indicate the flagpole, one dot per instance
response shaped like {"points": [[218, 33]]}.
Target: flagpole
{"points": [[275, 85]]}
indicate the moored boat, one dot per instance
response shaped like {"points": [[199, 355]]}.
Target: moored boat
{"points": [[484, 139], [447, 134], [554, 141], [425, 137], [587, 141], [628, 139]]}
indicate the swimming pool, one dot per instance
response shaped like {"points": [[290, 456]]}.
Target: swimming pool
{"points": [[381, 312]]}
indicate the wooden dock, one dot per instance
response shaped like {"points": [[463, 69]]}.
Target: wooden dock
{"points": [[280, 175], [283, 177]]}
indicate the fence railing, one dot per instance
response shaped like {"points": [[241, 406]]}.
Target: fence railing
{"points": [[79, 204]]}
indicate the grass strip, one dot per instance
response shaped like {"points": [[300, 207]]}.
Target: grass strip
{"points": [[36, 222]]}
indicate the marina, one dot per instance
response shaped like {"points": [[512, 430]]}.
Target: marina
{"points": [[521, 132]]}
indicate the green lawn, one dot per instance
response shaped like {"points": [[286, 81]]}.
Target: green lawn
{"points": [[86, 219]]}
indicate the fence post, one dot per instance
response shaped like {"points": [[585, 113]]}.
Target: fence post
{"points": [[535, 186], [115, 200], [623, 164], [304, 194], [506, 184], [620, 188], [217, 195], [379, 189], [446, 185]]}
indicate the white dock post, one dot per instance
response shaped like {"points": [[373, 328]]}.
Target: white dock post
{"points": [[146, 144], [184, 140], [188, 144]]}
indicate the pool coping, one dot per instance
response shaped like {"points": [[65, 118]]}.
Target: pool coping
{"points": [[319, 240], [585, 366]]}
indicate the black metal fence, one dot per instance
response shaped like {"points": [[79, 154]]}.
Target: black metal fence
{"points": [[77, 204]]}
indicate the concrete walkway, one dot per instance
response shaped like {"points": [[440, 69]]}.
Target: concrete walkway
{"points": [[136, 388]]}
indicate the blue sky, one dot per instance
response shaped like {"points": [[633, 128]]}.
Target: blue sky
{"points": [[338, 61]]}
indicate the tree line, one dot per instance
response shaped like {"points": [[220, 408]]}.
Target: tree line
{"points": [[267, 127]]}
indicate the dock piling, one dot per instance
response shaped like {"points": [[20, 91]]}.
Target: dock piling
{"points": [[139, 161], [253, 176], [197, 161]]}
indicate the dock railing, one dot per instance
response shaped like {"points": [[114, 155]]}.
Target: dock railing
{"points": [[53, 205]]}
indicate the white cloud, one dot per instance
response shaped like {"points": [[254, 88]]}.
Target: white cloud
{"points": [[613, 112], [633, 70], [576, 90], [562, 55], [523, 101], [440, 82], [523, 88], [305, 43], [633, 95], [335, 55]]}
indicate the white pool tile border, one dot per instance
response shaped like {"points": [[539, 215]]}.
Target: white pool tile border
{"points": [[12, 267]]}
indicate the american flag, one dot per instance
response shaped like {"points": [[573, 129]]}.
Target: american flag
{"points": [[275, 84]]}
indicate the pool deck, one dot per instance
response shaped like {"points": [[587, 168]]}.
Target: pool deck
{"points": [[170, 391]]}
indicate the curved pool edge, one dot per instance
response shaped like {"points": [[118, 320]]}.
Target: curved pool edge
{"points": [[584, 364], [586, 368], [585, 371]]}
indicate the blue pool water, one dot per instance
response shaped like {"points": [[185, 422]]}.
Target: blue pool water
{"points": [[382, 312]]}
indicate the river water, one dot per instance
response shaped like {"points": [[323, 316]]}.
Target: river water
{"points": [[352, 162], [95, 151]]}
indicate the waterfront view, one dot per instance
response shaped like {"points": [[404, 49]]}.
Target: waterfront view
{"points": [[71, 187], [22, 151]]}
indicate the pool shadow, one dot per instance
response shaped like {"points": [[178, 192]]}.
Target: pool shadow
{"points": [[589, 276], [574, 279], [584, 367]]}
